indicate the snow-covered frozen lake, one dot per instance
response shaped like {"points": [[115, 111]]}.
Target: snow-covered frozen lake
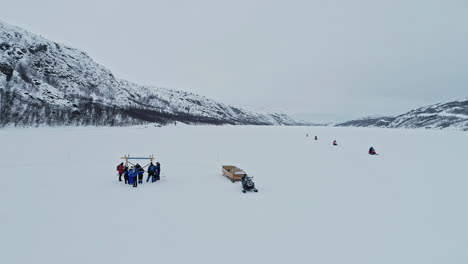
{"points": [[61, 202]]}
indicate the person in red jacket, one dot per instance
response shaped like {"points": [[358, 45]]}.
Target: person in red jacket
{"points": [[120, 170]]}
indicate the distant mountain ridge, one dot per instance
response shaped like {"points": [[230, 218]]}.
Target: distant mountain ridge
{"points": [[368, 122], [451, 115], [47, 83]]}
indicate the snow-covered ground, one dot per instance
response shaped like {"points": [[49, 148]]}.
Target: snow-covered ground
{"points": [[60, 201]]}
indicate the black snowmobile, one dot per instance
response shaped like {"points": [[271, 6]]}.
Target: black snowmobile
{"points": [[248, 184]]}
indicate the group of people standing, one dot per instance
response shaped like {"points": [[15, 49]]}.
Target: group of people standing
{"points": [[134, 175]]}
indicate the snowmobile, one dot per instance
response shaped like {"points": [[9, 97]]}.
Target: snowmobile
{"points": [[248, 184]]}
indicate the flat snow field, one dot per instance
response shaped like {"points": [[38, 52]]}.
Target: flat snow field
{"points": [[61, 202]]}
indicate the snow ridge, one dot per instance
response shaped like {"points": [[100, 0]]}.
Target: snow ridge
{"points": [[44, 82], [452, 115]]}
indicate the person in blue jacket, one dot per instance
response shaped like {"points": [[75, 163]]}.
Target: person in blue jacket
{"points": [[151, 171], [158, 171], [130, 175], [134, 175]]}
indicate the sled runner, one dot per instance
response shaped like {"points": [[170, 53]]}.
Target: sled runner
{"points": [[233, 173]]}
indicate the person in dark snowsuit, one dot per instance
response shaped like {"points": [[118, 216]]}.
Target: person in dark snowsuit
{"points": [[158, 171], [140, 172], [125, 173], [151, 172], [335, 143], [316, 138], [134, 175], [372, 151], [120, 168]]}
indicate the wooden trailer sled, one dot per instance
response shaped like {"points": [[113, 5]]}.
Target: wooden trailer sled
{"points": [[233, 173]]}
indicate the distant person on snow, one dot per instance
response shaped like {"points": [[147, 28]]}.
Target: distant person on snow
{"points": [[372, 151], [307, 135], [316, 138], [158, 171], [125, 173], [120, 168], [335, 143], [151, 172]]}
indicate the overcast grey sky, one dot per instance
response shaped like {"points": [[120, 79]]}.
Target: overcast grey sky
{"points": [[327, 60]]}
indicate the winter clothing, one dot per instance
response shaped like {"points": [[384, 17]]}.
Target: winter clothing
{"points": [[150, 176], [372, 151], [158, 171], [151, 172], [141, 171], [133, 174], [120, 168], [137, 173], [335, 143], [126, 175]]}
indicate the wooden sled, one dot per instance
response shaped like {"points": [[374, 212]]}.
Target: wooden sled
{"points": [[233, 173]]}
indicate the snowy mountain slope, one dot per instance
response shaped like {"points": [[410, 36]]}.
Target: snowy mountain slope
{"points": [[368, 122], [452, 115], [43, 82]]}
